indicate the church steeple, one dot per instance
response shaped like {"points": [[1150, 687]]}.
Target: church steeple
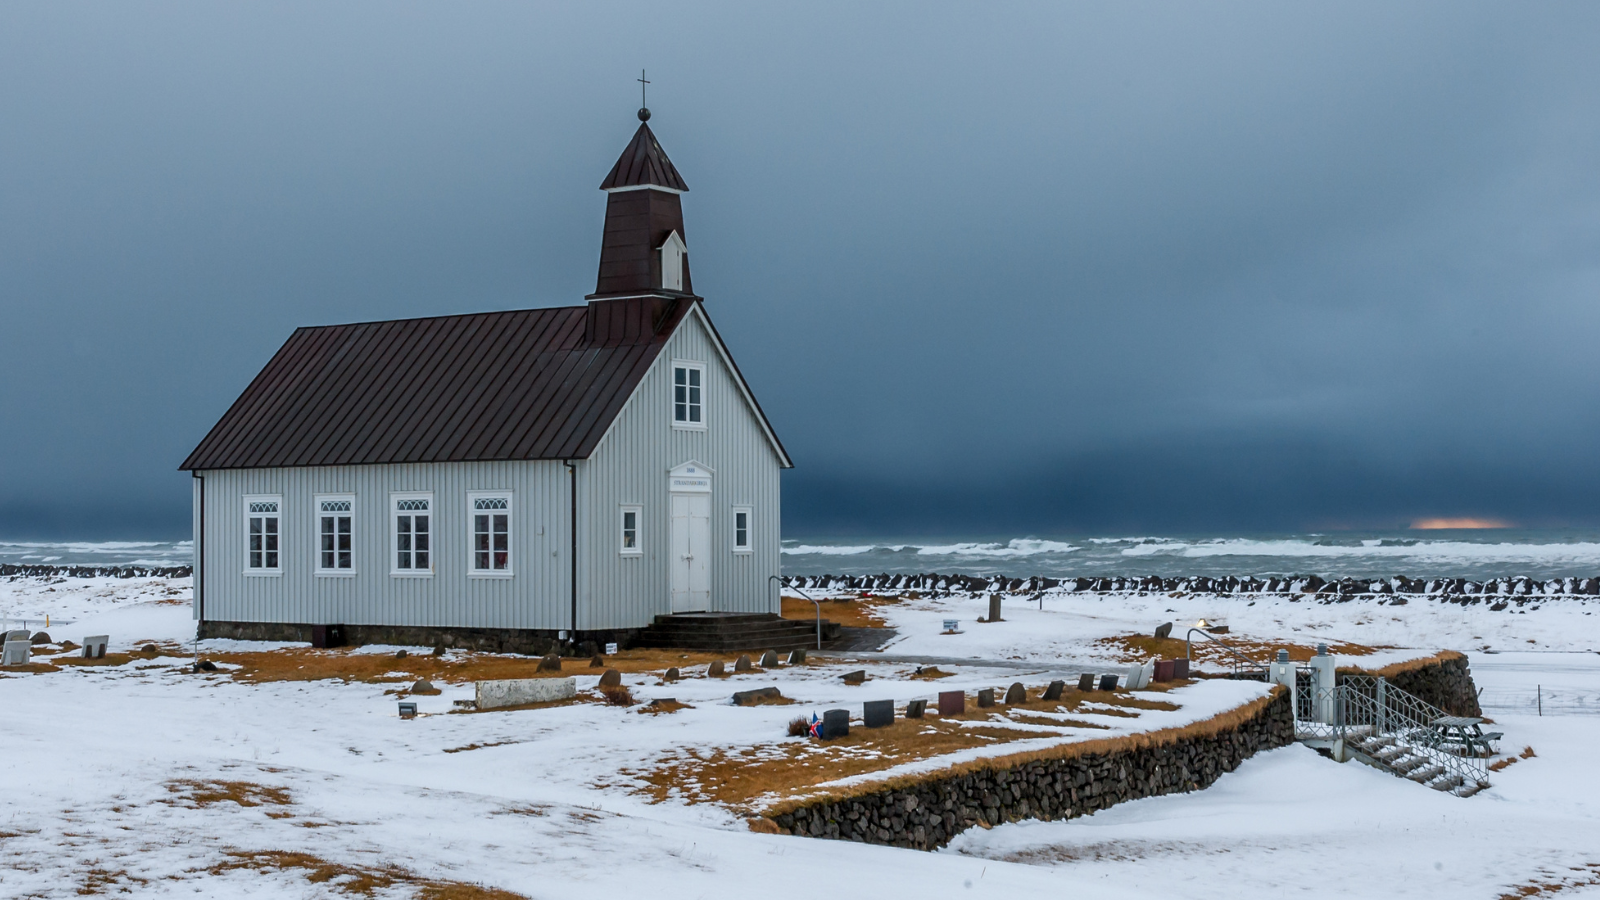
{"points": [[644, 249]]}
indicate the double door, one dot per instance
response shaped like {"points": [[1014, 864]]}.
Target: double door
{"points": [[691, 552]]}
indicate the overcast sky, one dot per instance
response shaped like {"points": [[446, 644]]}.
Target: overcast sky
{"points": [[1002, 269]]}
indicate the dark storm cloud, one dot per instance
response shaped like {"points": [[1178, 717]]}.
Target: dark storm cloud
{"points": [[1048, 267]]}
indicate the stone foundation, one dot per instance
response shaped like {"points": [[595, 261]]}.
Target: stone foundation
{"points": [[1444, 679], [487, 640], [926, 811]]}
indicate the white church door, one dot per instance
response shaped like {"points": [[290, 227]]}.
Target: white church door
{"points": [[691, 552]]}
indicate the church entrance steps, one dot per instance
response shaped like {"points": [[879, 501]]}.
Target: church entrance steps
{"points": [[733, 631]]}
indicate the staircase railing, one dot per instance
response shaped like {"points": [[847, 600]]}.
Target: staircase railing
{"points": [[1364, 706], [1240, 661], [779, 580]]}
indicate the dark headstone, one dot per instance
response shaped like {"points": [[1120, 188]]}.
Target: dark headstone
{"points": [[1108, 682], [952, 703], [205, 665], [1163, 670], [1163, 631], [877, 713], [986, 697], [402, 654], [716, 669], [597, 662], [439, 650], [796, 657], [1053, 692], [42, 637], [424, 686], [151, 649], [1219, 629], [769, 660], [915, 709], [408, 710], [1086, 682], [835, 724], [610, 678], [1016, 694], [672, 674], [742, 664], [551, 663], [994, 608], [856, 677], [1180, 667], [759, 695]]}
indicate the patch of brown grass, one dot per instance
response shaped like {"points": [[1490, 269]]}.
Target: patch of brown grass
{"points": [[1409, 665], [98, 881], [664, 706], [1502, 764], [199, 793], [363, 881], [479, 746], [1218, 724], [1133, 648], [857, 612], [1587, 875], [930, 673]]}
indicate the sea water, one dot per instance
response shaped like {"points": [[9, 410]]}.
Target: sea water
{"points": [[1478, 554]]}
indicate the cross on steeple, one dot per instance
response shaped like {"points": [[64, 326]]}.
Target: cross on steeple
{"points": [[644, 108]]}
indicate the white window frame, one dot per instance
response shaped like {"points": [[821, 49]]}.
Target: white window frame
{"points": [[749, 528], [638, 530], [672, 394], [263, 570], [316, 532], [395, 499], [472, 534]]}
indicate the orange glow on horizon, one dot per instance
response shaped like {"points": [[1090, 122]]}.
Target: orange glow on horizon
{"points": [[1437, 524]]}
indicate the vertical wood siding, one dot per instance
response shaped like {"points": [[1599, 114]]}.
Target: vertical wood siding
{"points": [[537, 596], [629, 467]]}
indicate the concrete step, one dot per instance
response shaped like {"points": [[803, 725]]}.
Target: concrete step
{"points": [[1426, 773], [1468, 789], [1446, 782]]}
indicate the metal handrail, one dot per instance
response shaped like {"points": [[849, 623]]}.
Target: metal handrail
{"points": [[1188, 649], [1370, 706], [814, 602]]}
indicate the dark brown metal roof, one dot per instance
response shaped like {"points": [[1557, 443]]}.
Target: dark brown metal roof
{"points": [[525, 384], [643, 162]]}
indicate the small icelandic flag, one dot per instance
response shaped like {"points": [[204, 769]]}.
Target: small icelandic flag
{"points": [[816, 726]]}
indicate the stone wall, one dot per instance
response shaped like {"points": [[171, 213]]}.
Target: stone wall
{"points": [[926, 811], [1445, 680]]}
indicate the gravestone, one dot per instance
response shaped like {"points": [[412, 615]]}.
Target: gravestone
{"points": [[517, 691], [742, 664], [994, 608], [610, 678], [769, 660], [205, 665], [952, 626], [672, 674], [41, 637], [408, 710], [1163, 631], [20, 634], [916, 708], [759, 695], [716, 669], [1053, 692], [1180, 667], [877, 713], [550, 663], [401, 654], [94, 646], [952, 703], [611, 649], [438, 650], [796, 657], [986, 697], [835, 724], [1086, 682], [856, 677], [1108, 682], [16, 653], [1134, 680], [1164, 670], [597, 662], [424, 686], [1016, 694]]}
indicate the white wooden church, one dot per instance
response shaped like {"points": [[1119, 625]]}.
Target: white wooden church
{"points": [[502, 480]]}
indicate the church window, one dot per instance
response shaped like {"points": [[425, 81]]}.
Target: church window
{"points": [[490, 515], [262, 556], [741, 529], [413, 533], [630, 531], [336, 534], [688, 385]]}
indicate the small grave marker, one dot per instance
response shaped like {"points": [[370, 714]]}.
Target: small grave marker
{"points": [[94, 646], [716, 669], [769, 660], [796, 657], [753, 697], [1164, 670], [986, 698], [742, 664], [1086, 682], [16, 653], [40, 637], [916, 708], [549, 663], [408, 710], [835, 724], [1180, 667], [672, 674], [1016, 694], [952, 703], [877, 713], [610, 678], [856, 677], [1163, 631], [1053, 692], [994, 608], [1108, 682]]}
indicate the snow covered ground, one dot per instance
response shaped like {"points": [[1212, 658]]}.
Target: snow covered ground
{"points": [[104, 774]]}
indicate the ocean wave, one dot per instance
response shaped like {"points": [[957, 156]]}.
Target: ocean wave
{"points": [[830, 550], [1016, 547], [1432, 551]]}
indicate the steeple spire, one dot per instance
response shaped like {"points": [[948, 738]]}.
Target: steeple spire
{"points": [[644, 250]]}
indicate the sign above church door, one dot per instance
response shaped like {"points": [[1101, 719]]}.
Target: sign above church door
{"points": [[690, 478]]}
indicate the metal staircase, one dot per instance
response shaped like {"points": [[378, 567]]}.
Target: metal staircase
{"points": [[1369, 720]]}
